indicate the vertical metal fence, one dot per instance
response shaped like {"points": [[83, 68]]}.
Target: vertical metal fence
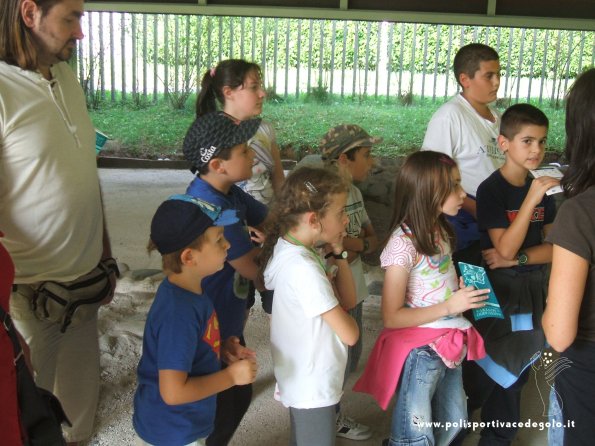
{"points": [[144, 56]]}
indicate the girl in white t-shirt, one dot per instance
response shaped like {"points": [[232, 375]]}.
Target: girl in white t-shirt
{"points": [[310, 326], [425, 336]]}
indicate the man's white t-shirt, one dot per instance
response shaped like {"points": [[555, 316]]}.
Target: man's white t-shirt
{"points": [[309, 359], [457, 130], [50, 202]]}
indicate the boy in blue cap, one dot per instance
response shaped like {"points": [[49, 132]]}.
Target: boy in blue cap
{"points": [[216, 147], [179, 373]]}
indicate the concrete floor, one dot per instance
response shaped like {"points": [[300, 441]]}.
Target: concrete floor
{"points": [[131, 197]]}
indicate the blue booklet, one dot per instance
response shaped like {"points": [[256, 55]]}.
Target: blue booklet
{"points": [[476, 276]]}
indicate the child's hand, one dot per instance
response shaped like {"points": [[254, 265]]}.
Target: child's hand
{"points": [[539, 187], [232, 351], [465, 298], [256, 236], [494, 260], [336, 245], [243, 371]]}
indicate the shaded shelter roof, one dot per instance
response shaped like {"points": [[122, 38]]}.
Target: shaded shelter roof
{"points": [[566, 14]]}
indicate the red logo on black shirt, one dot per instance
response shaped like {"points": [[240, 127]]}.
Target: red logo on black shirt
{"points": [[212, 336], [538, 215]]}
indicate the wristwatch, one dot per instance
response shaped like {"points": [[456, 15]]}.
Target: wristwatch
{"points": [[341, 255], [522, 258]]}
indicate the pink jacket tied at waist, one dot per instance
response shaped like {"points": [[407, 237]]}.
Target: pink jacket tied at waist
{"points": [[393, 345]]}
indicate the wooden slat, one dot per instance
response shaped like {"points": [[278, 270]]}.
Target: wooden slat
{"points": [[101, 57], [134, 55], [544, 65], [123, 53], [287, 38], [145, 56], [520, 68], [391, 27]]}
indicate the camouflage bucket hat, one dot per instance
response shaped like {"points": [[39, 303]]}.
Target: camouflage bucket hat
{"points": [[343, 138]]}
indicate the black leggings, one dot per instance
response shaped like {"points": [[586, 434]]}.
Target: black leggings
{"points": [[232, 404]]}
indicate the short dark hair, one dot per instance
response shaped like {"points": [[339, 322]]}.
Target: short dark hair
{"points": [[469, 57], [350, 154], [224, 154], [519, 115]]}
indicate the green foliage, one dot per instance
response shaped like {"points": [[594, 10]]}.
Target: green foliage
{"points": [[319, 94], [146, 132], [200, 42], [406, 98], [349, 44], [272, 96], [155, 130]]}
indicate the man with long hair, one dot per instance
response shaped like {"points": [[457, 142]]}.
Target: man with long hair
{"points": [[50, 203]]}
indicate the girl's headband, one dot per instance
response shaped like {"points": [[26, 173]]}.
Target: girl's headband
{"points": [[447, 160]]}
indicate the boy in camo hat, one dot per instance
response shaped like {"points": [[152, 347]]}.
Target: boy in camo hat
{"points": [[348, 148]]}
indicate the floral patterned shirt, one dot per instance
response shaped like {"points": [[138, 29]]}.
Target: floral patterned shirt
{"points": [[432, 279]]}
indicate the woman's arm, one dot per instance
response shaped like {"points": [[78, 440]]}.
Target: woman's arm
{"points": [[396, 315], [565, 295]]}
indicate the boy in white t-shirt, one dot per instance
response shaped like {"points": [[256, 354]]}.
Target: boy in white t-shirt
{"points": [[466, 129]]}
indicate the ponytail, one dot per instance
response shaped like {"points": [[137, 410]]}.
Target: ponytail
{"points": [[206, 101], [228, 73]]}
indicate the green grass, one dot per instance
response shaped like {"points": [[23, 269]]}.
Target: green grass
{"points": [[156, 131]]}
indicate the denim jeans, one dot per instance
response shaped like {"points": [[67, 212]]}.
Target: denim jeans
{"points": [[555, 434], [430, 401]]}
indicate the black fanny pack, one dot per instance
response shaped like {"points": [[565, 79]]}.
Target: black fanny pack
{"points": [[70, 303]]}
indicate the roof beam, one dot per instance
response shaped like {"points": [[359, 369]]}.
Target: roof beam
{"points": [[346, 14], [491, 12]]}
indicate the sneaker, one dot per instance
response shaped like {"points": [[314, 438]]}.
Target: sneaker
{"points": [[351, 429]]}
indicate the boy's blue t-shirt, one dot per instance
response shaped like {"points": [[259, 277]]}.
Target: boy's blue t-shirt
{"points": [[230, 308], [498, 203], [181, 333]]}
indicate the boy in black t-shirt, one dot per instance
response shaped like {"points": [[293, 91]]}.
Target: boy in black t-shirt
{"points": [[513, 214]]}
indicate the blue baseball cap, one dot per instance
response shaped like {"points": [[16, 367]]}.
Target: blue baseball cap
{"points": [[181, 219]]}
